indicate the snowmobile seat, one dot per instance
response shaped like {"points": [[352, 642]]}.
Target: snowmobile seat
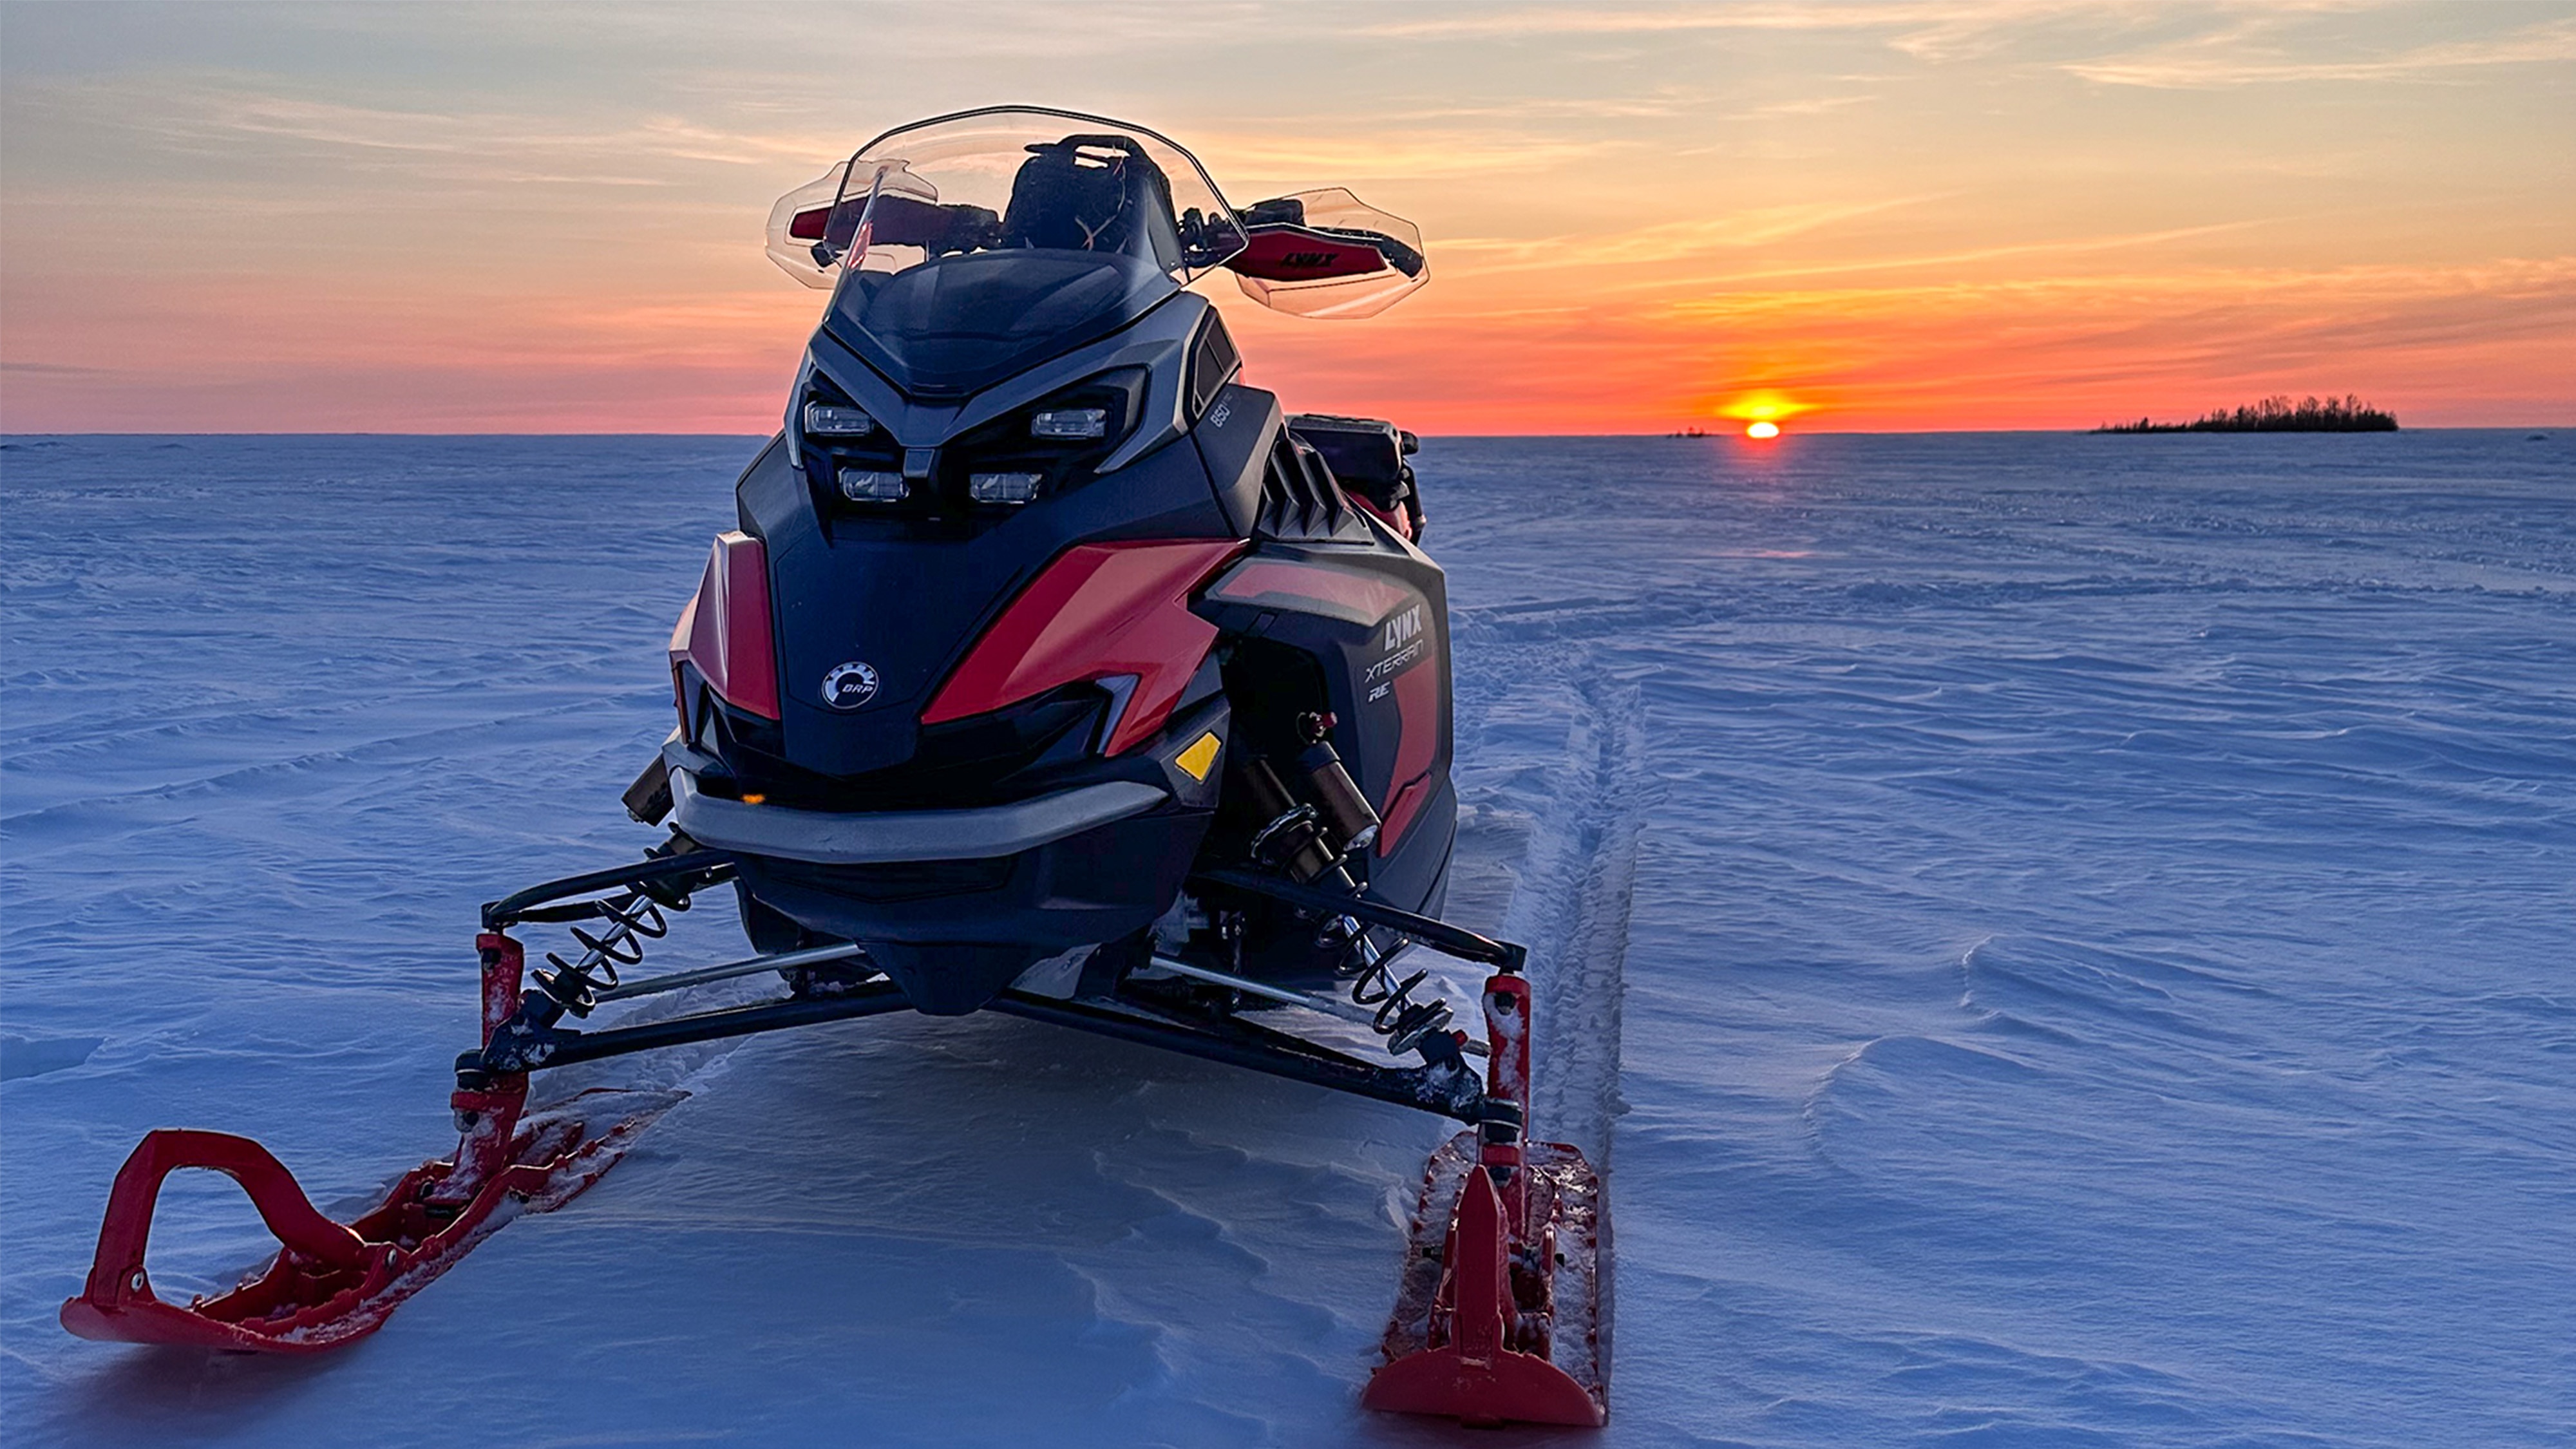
{"points": [[1069, 196]]}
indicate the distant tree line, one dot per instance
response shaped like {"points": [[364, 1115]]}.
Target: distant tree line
{"points": [[2346, 414]]}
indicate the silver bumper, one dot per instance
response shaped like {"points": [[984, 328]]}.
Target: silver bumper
{"points": [[885, 837]]}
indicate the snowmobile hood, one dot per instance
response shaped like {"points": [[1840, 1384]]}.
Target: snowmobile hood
{"points": [[960, 324]]}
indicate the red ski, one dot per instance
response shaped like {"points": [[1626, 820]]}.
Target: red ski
{"points": [[1499, 1316], [332, 1283]]}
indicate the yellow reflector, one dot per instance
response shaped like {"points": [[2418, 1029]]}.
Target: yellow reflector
{"points": [[752, 799], [1200, 755]]}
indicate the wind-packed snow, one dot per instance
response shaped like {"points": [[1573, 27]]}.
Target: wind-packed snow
{"points": [[2056, 941]]}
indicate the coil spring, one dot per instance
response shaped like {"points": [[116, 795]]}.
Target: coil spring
{"points": [[633, 919], [1403, 1021]]}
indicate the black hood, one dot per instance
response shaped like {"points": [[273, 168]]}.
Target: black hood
{"points": [[958, 325]]}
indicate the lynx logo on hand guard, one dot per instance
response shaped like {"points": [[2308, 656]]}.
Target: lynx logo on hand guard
{"points": [[850, 685]]}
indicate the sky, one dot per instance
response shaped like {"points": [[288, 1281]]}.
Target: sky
{"points": [[1885, 215]]}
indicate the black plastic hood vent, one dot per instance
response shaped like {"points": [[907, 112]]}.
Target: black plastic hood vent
{"points": [[956, 326]]}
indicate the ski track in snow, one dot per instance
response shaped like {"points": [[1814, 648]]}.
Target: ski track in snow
{"points": [[1571, 910], [2064, 938]]}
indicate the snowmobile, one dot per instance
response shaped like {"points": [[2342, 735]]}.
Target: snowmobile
{"points": [[1050, 669]]}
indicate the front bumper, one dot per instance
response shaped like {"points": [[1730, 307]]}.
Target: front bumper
{"points": [[822, 837], [956, 904]]}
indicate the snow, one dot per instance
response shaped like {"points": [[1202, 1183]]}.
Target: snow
{"points": [[2054, 940]]}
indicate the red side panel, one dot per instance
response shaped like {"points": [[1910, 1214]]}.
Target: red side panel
{"points": [[724, 631], [1417, 708], [1279, 253], [1101, 609]]}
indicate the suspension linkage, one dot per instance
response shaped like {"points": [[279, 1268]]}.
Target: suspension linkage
{"points": [[667, 879], [528, 1037], [1464, 944]]}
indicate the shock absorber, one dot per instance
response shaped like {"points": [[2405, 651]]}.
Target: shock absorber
{"points": [[1305, 838], [1337, 795], [1293, 842]]}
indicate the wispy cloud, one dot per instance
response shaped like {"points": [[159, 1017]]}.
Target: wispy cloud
{"points": [[1665, 242], [217, 116], [2527, 279], [2257, 55], [1955, 259], [1657, 104], [51, 369], [1926, 29], [2222, 42], [1412, 155], [1561, 20]]}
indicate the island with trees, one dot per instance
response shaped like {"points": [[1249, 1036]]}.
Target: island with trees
{"points": [[2347, 414]]}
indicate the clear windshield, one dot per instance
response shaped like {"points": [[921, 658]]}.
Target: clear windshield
{"points": [[1007, 180], [965, 249]]}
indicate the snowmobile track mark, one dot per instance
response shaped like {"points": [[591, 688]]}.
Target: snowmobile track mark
{"points": [[1571, 909]]}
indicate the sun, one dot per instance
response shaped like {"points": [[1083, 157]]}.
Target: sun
{"points": [[1762, 410]]}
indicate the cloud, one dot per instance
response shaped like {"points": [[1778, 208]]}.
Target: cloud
{"points": [[1664, 102], [2364, 285], [211, 115], [1931, 30], [2231, 42], [1669, 241], [1749, 281], [1555, 20], [2217, 62], [1416, 156]]}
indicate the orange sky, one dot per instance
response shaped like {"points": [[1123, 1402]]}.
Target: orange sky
{"points": [[1978, 214]]}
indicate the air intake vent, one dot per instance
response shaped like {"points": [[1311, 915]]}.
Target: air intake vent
{"points": [[1213, 362]]}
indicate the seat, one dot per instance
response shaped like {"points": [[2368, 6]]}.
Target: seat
{"points": [[1070, 196]]}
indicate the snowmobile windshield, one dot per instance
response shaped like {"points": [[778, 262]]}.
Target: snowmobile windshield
{"points": [[965, 249]]}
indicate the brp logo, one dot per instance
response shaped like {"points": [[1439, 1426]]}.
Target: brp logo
{"points": [[850, 685]]}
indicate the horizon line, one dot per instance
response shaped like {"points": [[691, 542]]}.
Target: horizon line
{"points": [[1785, 433]]}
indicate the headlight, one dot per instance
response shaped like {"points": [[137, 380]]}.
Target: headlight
{"points": [[1070, 423], [873, 485], [1003, 487], [831, 420]]}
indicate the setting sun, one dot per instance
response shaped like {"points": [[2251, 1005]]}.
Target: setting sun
{"points": [[1763, 408]]}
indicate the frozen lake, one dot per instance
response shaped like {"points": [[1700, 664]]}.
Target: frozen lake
{"points": [[2060, 940]]}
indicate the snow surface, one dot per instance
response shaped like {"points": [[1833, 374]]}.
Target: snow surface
{"points": [[2058, 941]]}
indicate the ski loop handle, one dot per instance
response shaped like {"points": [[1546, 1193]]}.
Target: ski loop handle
{"points": [[116, 1276]]}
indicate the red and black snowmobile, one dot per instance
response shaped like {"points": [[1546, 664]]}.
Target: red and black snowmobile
{"points": [[1048, 669]]}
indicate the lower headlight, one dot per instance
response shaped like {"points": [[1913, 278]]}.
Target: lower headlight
{"points": [[873, 485], [1003, 487]]}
